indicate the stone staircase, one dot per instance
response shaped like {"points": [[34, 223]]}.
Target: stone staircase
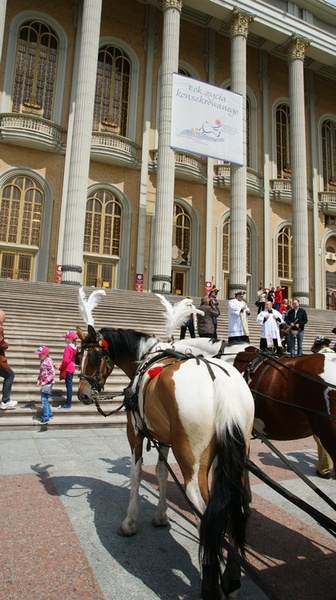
{"points": [[39, 313]]}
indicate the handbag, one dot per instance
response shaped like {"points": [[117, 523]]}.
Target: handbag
{"points": [[62, 375], [46, 389]]}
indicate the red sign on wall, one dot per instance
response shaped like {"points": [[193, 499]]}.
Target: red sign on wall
{"points": [[139, 282], [58, 275]]}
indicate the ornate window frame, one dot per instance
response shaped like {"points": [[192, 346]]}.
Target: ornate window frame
{"points": [[16, 23]]}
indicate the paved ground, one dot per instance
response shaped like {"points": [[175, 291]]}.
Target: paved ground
{"points": [[63, 494]]}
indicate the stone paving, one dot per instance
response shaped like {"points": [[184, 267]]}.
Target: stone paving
{"points": [[64, 493]]}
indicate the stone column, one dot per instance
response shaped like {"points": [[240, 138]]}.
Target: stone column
{"points": [[295, 55], [238, 198], [150, 47], [163, 226], [72, 259], [3, 7]]}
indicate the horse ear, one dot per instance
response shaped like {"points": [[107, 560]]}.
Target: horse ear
{"points": [[92, 333], [80, 333]]}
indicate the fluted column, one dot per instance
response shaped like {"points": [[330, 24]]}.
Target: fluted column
{"points": [[3, 7], [161, 280], [81, 142], [296, 54], [238, 198]]}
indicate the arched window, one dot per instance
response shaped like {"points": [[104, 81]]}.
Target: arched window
{"points": [[285, 245], [283, 140], [35, 69], [21, 206], [181, 235], [329, 154], [112, 90], [103, 224], [226, 246]]}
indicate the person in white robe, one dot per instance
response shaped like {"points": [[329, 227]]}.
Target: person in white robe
{"points": [[270, 321], [238, 311]]}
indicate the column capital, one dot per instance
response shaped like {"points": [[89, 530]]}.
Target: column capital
{"points": [[296, 48], [165, 4], [239, 23]]}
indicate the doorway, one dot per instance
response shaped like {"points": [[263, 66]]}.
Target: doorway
{"points": [[16, 265]]}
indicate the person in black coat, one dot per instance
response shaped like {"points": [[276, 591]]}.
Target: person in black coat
{"points": [[296, 319]]}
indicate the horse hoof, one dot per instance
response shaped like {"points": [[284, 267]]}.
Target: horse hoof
{"points": [[159, 522], [125, 532]]}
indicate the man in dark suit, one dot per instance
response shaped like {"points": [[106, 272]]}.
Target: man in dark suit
{"points": [[296, 319]]}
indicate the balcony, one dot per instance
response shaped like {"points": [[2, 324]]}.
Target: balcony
{"points": [[281, 190], [189, 167], [112, 148], [327, 202], [32, 131], [254, 181]]}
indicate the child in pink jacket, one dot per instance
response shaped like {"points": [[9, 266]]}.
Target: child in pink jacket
{"points": [[67, 367]]}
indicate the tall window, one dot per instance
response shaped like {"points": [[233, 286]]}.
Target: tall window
{"points": [[329, 154], [35, 69], [112, 90], [226, 247], [285, 244], [283, 140], [181, 235], [103, 224], [21, 204]]}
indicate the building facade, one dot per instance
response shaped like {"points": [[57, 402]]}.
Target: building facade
{"points": [[91, 191]]}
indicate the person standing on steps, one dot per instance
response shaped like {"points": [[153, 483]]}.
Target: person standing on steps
{"points": [[67, 367], [5, 371], [238, 311], [45, 380], [297, 319]]}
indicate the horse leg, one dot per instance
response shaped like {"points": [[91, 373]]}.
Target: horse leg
{"points": [[129, 525], [160, 517]]}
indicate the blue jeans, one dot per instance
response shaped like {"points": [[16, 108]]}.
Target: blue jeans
{"points": [[46, 408], [299, 339], [8, 375], [68, 385]]}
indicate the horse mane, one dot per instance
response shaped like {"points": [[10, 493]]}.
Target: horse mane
{"points": [[128, 343]]}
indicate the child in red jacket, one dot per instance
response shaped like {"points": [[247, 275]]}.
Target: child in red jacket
{"points": [[67, 367]]}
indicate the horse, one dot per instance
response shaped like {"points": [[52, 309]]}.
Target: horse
{"points": [[200, 408], [294, 397]]}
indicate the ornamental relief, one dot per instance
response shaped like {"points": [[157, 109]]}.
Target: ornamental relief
{"points": [[171, 4], [239, 23], [297, 48]]}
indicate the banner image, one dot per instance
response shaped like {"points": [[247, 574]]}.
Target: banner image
{"points": [[207, 120]]}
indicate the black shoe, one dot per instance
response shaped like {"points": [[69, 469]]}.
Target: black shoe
{"points": [[325, 476]]}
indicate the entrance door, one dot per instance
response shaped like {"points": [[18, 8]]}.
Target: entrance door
{"points": [[14, 265], [179, 278], [99, 274]]}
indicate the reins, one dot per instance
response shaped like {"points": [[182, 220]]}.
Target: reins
{"points": [[254, 390]]}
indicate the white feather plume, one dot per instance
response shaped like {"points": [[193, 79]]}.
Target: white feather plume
{"points": [[86, 305], [175, 315]]}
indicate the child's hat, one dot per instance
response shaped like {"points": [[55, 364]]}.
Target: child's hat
{"points": [[72, 335], [42, 350]]}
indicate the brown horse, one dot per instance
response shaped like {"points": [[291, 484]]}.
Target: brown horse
{"points": [[203, 410], [294, 397]]}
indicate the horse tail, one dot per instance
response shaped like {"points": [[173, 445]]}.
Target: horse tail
{"points": [[227, 510]]}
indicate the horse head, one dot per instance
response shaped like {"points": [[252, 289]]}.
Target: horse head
{"points": [[95, 365]]}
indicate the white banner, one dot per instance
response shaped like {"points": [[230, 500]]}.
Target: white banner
{"points": [[207, 120]]}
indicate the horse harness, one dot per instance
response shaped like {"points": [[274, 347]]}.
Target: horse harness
{"points": [[265, 358]]}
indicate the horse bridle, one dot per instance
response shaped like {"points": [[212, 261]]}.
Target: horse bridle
{"points": [[95, 380]]}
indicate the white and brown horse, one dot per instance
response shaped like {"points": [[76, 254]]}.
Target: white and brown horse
{"points": [[203, 410]]}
